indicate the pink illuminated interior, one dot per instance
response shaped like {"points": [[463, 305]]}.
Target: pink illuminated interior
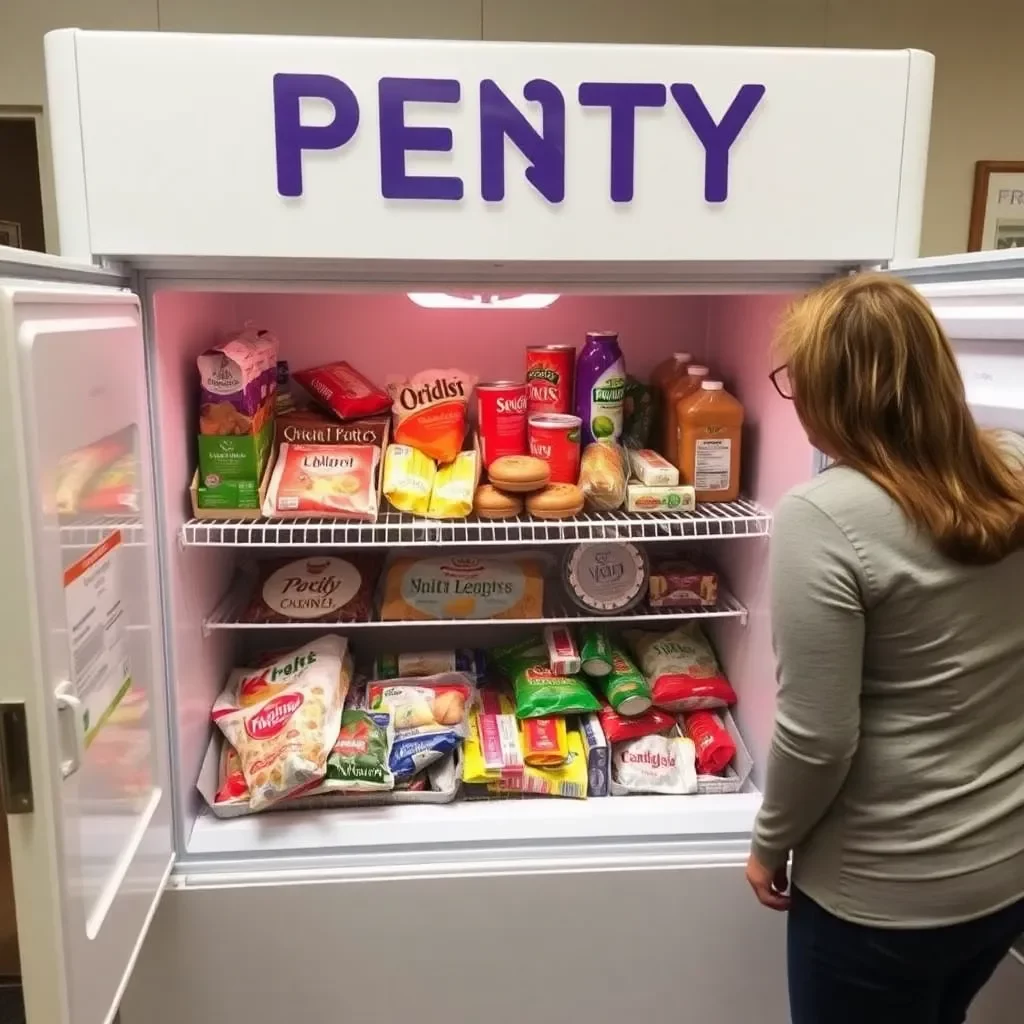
{"points": [[386, 334]]}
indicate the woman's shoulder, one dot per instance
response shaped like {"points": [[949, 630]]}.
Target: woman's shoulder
{"points": [[839, 492]]}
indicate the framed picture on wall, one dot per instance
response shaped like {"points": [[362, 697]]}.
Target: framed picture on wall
{"points": [[10, 233], [997, 211]]}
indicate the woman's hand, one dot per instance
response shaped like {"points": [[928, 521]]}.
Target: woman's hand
{"points": [[769, 887]]}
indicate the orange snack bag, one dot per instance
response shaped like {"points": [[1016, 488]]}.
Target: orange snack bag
{"points": [[430, 411]]}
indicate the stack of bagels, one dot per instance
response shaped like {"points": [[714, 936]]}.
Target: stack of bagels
{"points": [[519, 479]]}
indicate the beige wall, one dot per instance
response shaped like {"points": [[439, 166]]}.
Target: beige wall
{"points": [[979, 77]]}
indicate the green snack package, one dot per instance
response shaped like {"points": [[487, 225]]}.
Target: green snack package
{"points": [[638, 414], [627, 690], [539, 692], [359, 761], [595, 651]]}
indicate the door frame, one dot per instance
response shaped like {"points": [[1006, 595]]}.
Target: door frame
{"points": [[47, 190]]}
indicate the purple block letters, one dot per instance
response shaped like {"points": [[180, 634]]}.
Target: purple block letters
{"points": [[500, 120]]}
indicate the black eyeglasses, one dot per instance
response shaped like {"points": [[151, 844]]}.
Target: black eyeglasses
{"points": [[780, 378]]}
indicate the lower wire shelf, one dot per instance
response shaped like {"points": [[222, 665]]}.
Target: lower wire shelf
{"points": [[228, 614]]}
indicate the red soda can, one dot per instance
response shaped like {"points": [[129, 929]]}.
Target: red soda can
{"points": [[556, 440], [501, 419], [549, 378]]}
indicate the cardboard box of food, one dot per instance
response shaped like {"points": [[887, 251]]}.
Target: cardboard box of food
{"points": [[641, 498], [238, 456], [215, 502]]}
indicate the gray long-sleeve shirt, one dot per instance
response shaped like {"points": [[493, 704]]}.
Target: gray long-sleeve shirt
{"points": [[896, 772]]}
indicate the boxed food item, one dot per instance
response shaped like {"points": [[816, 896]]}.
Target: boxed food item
{"points": [[237, 456], [341, 389], [307, 426], [493, 745], [463, 587], [323, 588], [563, 655], [324, 480], [238, 379], [641, 498], [652, 469], [598, 754], [230, 499], [429, 663], [679, 583]]}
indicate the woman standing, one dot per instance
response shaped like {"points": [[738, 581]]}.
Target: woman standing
{"points": [[896, 771]]}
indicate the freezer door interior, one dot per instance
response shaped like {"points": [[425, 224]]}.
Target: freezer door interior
{"points": [[979, 300], [83, 719]]}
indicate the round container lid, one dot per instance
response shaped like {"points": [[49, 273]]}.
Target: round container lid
{"points": [[635, 705], [596, 667], [682, 357], [712, 385], [697, 370]]}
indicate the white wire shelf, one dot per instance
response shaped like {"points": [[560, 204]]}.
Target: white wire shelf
{"points": [[710, 521], [88, 531], [558, 609]]}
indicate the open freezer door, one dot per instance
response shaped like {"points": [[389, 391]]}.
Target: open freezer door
{"points": [[83, 721], [979, 300]]}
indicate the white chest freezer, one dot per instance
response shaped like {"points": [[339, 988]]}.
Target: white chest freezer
{"points": [[381, 201]]}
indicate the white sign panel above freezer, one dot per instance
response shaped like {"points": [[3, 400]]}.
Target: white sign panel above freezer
{"points": [[235, 146]]}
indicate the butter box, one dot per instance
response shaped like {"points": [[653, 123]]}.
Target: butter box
{"points": [[653, 469], [641, 498]]}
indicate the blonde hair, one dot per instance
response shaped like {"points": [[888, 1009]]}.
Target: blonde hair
{"points": [[876, 384]]}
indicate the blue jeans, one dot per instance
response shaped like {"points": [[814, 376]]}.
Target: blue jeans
{"points": [[843, 973]]}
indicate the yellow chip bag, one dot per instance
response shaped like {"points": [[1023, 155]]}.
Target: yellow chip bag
{"points": [[408, 478], [454, 486]]}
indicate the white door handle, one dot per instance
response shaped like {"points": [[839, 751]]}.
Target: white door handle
{"points": [[69, 718]]}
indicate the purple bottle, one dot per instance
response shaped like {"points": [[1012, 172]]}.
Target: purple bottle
{"points": [[600, 387]]}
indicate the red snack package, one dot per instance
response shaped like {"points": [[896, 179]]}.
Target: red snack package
{"points": [[681, 668], [343, 390], [715, 747], [617, 728]]}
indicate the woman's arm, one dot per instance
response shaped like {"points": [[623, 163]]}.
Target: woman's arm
{"points": [[818, 631]]}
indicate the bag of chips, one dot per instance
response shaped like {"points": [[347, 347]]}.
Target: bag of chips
{"points": [[283, 718], [540, 693], [617, 728], [655, 764], [681, 668], [430, 717], [359, 762], [430, 411], [343, 390]]}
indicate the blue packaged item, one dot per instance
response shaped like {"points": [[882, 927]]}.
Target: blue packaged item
{"points": [[598, 755], [412, 753]]}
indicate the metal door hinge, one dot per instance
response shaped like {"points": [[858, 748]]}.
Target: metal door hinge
{"points": [[15, 771]]}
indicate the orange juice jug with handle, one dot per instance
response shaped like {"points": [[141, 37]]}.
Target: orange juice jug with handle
{"points": [[679, 389], [710, 440], [668, 369]]}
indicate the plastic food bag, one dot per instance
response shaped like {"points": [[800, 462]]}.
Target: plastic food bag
{"points": [[232, 787], [603, 476], [715, 747], [568, 779], [430, 411], [539, 692], [681, 668], [283, 718], [617, 728], [360, 760], [655, 764], [430, 716], [343, 390], [454, 487], [408, 478], [638, 412]]}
